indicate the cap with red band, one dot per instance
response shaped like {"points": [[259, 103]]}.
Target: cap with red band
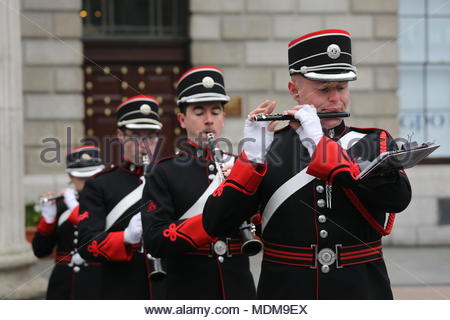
{"points": [[323, 55]]}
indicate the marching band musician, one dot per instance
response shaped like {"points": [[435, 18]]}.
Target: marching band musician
{"points": [[111, 228], [199, 266], [322, 227], [72, 277]]}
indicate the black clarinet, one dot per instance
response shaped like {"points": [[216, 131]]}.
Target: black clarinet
{"points": [[250, 245], [279, 116], [158, 272]]}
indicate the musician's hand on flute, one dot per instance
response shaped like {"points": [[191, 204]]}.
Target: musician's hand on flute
{"points": [[308, 128], [48, 208], [70, 198], [259, 135]]}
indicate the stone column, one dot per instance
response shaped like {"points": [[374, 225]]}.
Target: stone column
{"points": [[16, 256]]}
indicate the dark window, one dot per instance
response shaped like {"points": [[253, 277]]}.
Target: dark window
{"points": [[132, 19], [444, 211]]}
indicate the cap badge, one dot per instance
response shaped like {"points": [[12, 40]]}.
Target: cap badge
{"points": [[86, 156], [208, 82], [145, 109], [333, 51]]}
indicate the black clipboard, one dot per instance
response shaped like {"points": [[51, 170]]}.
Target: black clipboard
{"points": [[399, 159]]}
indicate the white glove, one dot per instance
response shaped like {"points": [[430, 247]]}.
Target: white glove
{"points": [[70, 198], [133, 233], [310, 131], [258, 140], [48, 211], [77, 260]]}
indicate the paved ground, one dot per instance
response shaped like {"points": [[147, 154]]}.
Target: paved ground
{"points": [[416, 273]]}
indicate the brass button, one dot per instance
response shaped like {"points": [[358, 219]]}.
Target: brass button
{"points": [[124, 85], [106, 70], [141, 85], [160, 111], [88, 70], [177, 131], [89, 100], [176, 70], [89, 85], [89, 112], [158, 70], [107, 112], [141, 70], [160, 99], [176, 110], [107, 100], [90, 132], [124, 70]]}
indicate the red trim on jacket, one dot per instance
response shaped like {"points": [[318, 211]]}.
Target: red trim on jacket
{"points": [[329, 159], [113, 247], [45, 228], [74, 217], [369, 218], [256, 219], [245, 175], [383, 141], [191, 230]]}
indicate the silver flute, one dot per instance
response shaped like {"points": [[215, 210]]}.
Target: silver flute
{"points": [[158, 272], [279, 116], [251, 245], [44, 200]]}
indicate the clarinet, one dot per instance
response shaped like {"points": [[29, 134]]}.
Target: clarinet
{"points": [[251, 245], [279, 116], [158, 272]]}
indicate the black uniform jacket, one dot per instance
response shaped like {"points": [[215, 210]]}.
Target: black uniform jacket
{"points": [[66, 281], [125, 268], [313, 251], [194, 270]]}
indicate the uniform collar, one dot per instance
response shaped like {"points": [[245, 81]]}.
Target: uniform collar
{"points": [[127, 164], [337, 131], [195, 150]]}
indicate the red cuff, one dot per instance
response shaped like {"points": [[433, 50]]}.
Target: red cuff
{"points": [[113, 248], [45, 228], [246, 175], [329, 159], [73, 217], [191, 230]]}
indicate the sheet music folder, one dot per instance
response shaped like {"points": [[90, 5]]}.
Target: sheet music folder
{"points": [[399, 159]]}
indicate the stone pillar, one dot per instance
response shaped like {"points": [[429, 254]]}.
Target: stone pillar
{"points": [[16, 257]]}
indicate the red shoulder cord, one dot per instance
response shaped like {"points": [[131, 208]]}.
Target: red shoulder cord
{"points": [[384, 231]]}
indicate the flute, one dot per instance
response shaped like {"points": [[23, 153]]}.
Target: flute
{"points": [[279, 116]]}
